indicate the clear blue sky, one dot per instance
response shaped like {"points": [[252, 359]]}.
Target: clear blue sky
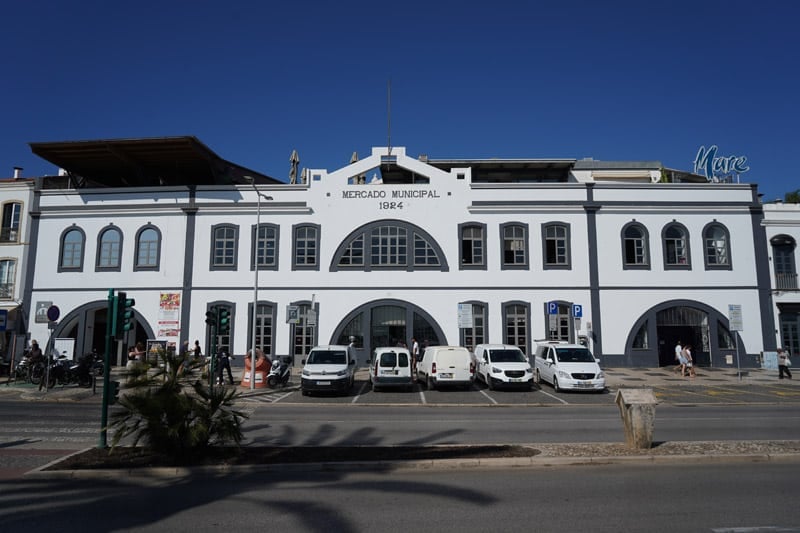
{"points": [[616, 80]]}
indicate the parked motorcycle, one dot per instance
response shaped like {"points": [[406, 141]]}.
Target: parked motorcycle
{"points": [[29, 370], [65, 371], [280, 372]]}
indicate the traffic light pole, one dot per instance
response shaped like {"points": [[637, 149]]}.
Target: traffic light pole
{"points": [[110, 323]]}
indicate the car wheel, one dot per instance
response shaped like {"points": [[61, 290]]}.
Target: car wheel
{"points": [[304, 392], [490, 382], [429, 383], [555, 384]]}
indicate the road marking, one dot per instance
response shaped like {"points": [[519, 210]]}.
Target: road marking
{"points": [[360, 392], [490, 398], [554, 397], [279, 398]]}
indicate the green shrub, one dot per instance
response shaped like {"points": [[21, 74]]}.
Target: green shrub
{"points": [[171, 411]]}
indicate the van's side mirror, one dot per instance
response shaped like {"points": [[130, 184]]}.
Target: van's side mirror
{"points": [[303, 362], [352, 362], [485, 358]]}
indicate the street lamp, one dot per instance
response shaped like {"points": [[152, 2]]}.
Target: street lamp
{"points": [[259, 195]]}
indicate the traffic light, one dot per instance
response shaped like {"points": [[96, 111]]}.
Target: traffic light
{"points": [[113, 392], [124, 314], [224, 320], [211, 317]]}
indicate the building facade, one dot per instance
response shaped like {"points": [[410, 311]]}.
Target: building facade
{"points": [[393, 247]]}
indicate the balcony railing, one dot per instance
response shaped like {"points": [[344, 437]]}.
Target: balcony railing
{"points": [[786, 281], [9, 234], [6, 291]]}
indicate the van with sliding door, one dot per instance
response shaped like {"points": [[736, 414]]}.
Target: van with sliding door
{"points": [[446, 366]]}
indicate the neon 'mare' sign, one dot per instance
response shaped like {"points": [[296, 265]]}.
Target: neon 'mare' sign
{"points": [[709, 165]]}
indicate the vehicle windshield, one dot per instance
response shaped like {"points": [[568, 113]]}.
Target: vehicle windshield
{"points": [[508, 356], [327, 357], [574, 355]]}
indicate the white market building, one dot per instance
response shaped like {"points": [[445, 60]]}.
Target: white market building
{"points": [[392, 247]]}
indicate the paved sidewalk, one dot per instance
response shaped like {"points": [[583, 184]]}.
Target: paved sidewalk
{"points": [[667, 377]]}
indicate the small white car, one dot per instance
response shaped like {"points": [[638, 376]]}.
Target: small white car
{"points": [[391, 367], [503, 364], [568, 366]]}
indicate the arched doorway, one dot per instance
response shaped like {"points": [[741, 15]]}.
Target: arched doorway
{"points": [[387, 323], [87, 325], [651, 341]]}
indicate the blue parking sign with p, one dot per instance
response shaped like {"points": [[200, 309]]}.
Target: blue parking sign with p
{"points": [[577, 310], [552, 308]]}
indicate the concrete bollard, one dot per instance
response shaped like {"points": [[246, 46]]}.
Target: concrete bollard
{"points": [[638, 410]]}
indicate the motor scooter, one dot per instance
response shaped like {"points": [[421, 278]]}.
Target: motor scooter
{"points": [[280, 372]]}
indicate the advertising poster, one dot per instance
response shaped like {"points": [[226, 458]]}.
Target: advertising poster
{"points": [[169, 314]]}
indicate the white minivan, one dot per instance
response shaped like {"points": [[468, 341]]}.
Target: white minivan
{"points": [[568, 366], [328, 368], [503, 364], [446, 365], [391, 367]]}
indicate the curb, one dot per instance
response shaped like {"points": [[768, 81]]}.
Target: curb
{"points": [[534, 462]]}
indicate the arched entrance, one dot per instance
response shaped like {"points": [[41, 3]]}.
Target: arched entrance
{"points": [[651, 342], [87, 325], [387, 323]]}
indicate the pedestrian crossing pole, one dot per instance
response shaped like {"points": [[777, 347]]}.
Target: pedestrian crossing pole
{"points": [[110, 315]]}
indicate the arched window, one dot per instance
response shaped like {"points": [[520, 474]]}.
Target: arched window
{"points": [[555, 243], [717, 244], [148, 249], [472, 254], [783, 247], [389, 245], [676, 247], [224, 247], [264, 251], [514, 237], [109, 246], [71, 253], [635, 248]]}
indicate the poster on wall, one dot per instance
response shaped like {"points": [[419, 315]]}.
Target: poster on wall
{"points": [[169, 313]]}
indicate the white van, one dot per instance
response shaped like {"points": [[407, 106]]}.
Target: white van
{"points": [[446, 365], [391, 367], [328, 368], [568, 366], [503, 364]]}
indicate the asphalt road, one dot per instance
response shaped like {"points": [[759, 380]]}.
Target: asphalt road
{"points": [[745, 497]]}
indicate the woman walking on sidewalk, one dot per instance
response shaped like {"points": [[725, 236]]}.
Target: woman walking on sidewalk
{"points": [[783, 364], [687, 357]]}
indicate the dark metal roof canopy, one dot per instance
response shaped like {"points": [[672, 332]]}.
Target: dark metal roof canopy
{"points": [[146, 162], [512, 170]]}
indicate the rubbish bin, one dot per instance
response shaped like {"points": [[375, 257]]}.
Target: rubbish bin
{"points": [[260, 373], [638, 410]]}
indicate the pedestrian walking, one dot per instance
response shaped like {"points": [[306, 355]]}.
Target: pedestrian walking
{"points": [[223, 363], [783, 364], [689, 363], [680, 360], [414, 352]]}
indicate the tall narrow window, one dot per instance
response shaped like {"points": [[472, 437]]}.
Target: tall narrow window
{"points": [[717, 247], [473, 246], [264, 328], [306, 247], [676, 247], [515, 245], [635, 252], [72, 243], [515, 331], [148, 249], [224, 247], [8, 271], [783, 248], [265, 252], [109, 246], [302, 333], [555, 239], [10, 229]]}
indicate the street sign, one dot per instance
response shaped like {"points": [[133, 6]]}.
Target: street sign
{"points": [[577, 310], [292, 314], [735, 317], [465, 316], [552, 308], [53, 312]]}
